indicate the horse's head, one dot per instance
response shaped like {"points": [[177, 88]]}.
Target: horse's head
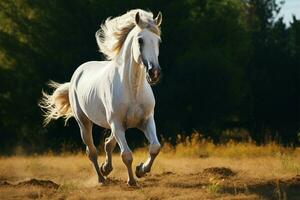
{"points": [[146, 46]]}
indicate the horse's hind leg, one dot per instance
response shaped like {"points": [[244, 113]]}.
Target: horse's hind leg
{"points": [[110, 144], [86, 135], [85, 126]]}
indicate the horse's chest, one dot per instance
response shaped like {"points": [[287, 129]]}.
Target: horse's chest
{"points": [[135, 115]]}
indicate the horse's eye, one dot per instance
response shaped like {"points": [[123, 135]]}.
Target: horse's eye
{"points": [[141, 41]]}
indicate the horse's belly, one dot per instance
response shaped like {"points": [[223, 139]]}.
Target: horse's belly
{"points": [[92, 106], [96, 113]]}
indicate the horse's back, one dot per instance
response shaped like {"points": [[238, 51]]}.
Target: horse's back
{"points": [[86, 73], [84, 93], [91, 67]]}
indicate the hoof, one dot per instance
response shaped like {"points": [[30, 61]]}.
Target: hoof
{"points": [[105, 170], [132, 183], [139, 171], [102, 183], [101, 180]]}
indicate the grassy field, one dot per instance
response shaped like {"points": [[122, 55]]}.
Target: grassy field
{"points": [[195, 169]]}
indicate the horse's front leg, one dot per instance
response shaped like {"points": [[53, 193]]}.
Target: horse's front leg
{"points": [[126, 154], [149, 130]]}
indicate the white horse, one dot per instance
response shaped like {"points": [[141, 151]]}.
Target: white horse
{"points": [[115, 94]]}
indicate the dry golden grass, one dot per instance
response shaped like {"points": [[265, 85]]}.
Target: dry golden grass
{"points": [[264, 172]]}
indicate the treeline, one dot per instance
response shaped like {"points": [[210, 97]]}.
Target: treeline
{"points": [[227, 64]]}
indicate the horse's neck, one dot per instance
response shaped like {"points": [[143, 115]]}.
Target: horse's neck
{"points": [[133, 74]]}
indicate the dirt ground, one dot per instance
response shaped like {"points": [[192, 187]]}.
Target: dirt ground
{"points": [[172, 177]]}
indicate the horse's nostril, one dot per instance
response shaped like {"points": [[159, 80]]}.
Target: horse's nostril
{"points": [[151, 72], [154, 74]]}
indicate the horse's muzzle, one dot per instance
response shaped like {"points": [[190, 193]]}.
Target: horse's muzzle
{"points": [[153, 75]]}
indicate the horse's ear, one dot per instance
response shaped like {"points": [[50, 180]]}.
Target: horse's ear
{"points": [[158, 19], [137, 18]]}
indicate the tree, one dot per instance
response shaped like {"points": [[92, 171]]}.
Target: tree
{"points": [[272, 75], [205, 78]]}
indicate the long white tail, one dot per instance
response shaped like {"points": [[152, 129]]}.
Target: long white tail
{"points": [[56, 105]]}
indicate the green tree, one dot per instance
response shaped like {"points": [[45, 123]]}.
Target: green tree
{"points": [[272, 74]]}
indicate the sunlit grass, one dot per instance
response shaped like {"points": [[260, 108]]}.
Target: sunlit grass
{"points": [[197, 146]]}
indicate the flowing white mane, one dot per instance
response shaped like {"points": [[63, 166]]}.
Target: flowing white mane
{"points": [[113, 32]]}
